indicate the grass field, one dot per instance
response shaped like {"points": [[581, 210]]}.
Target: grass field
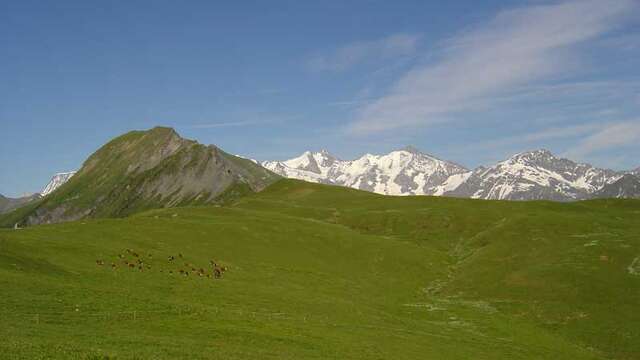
{"points": [[317, 272]]}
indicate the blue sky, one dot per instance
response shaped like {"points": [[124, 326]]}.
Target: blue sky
{"points": [[469, 81]]}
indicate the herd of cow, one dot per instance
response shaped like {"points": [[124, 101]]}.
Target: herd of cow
{"points": [[142, 263]]}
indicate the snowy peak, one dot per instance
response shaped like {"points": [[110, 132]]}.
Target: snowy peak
{"points": [[56, 181], [535, 175], [316, 162], [540, 157], [402, 172]]}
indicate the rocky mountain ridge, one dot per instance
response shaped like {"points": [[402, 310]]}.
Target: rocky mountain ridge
{"points": [[8, 204]]}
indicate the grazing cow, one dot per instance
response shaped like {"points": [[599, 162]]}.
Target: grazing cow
{"points": [[99, 262], [171, 258], [121, 256], [180, 255], [136, 254]]}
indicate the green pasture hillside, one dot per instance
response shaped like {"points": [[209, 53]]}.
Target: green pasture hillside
{"points": [[322, 272]]}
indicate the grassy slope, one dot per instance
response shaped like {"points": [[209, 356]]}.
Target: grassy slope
{"points": [[324, 272]]}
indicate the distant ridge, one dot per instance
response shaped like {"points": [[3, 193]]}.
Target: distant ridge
{"points": [[8, 204]]}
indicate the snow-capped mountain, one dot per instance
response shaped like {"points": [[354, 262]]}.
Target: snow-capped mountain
{"points": [[56, 181], [402, 172], [526, 176], [534, 175]]}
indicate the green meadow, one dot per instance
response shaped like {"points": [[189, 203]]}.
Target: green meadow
{"points": [[322, 272]]}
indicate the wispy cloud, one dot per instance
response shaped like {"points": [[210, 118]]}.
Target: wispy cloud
{"points": [[356, 53], [613, 136], [536, 137], [516, 48], [240, 123]]}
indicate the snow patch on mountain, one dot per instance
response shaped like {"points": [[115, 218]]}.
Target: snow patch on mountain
{"points": [[56, 181]]}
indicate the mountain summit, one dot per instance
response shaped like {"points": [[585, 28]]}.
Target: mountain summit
{"points": [[148, 169]]}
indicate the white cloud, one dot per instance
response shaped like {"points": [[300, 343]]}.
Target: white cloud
{"points": [[356, 53], [238, 123], [612, 136], [517, 48]]}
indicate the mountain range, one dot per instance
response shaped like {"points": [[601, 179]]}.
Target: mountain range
{"points": [[533, 175], [148, 164]]}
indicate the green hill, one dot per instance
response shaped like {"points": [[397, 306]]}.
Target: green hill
{"points": [[142, 170], [317, 272]]}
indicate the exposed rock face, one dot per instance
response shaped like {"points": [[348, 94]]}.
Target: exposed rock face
{"points": [[148, 169], [627, 187]]}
